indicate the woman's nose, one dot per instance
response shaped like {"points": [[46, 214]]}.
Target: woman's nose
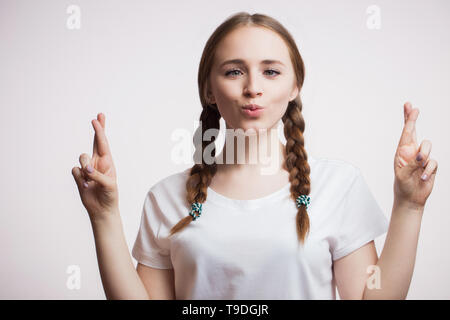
{"points": [[252, 91], [253, 84]]}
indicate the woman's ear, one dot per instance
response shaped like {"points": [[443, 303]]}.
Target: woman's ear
{"points": [[210, 98], [294, 93]]}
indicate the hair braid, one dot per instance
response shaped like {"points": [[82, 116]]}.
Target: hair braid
{"points": [[201, 173], [296, 161]]}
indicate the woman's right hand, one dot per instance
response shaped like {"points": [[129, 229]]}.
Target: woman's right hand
{"points": [[98, 189]]}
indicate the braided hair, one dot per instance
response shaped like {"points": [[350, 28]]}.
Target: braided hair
{"points": [[201, 174]]}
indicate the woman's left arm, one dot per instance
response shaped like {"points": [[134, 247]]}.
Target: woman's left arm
{"points": [[394, 268], [414, 179], [396, 262]]}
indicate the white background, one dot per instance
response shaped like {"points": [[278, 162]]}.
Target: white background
{"points": [[137, 62]]}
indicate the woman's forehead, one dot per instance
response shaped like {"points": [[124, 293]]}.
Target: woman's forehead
{"points": [[258, 42]]}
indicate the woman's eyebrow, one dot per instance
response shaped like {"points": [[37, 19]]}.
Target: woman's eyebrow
{"points": [[240, 61]]}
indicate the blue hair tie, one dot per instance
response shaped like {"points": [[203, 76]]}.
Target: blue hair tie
{"points": [[196, 210], [305, 200]]}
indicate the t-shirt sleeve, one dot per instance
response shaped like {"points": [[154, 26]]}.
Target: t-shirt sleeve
{"points": [[148, 249], [361, 219]]}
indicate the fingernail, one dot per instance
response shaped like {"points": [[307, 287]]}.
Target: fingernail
{"points": [[424, 177], [85, 184], [419, 157], [89, 169]]}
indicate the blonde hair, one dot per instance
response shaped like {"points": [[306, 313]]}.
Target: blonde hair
{"points": [[294, 125]]}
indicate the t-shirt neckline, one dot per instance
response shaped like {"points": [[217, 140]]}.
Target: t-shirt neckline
{"points": [[247, 203], [250, 204]]}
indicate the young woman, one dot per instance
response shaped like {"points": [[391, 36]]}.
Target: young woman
{"points": [[227, 229]]}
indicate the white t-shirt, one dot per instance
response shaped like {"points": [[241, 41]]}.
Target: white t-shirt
{"points": [[248, 249]]}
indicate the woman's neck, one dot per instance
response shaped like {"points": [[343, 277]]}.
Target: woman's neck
{"points": [[252, 155]]}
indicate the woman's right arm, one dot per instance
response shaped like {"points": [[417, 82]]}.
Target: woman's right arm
{"points": [[97, 185], [119, 277]]}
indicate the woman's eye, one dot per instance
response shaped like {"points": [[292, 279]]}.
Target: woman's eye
{"points": [[276, 72], [232, 72]]}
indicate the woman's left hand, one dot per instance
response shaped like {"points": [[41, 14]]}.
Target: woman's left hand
{"points": [[411, 163]]}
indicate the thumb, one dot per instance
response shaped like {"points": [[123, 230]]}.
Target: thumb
{"points": [[92, 174], [97, 176], [414, 163]]}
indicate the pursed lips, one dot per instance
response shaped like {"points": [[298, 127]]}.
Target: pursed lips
{"points": [[252, 106]]}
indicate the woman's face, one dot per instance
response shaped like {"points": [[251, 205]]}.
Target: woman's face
{"points": [[251, 81]]}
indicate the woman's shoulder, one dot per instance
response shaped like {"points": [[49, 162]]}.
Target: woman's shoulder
{"points": [[172, 182], [337, 162], [168, 195], [333, 176], [333, 167]]}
